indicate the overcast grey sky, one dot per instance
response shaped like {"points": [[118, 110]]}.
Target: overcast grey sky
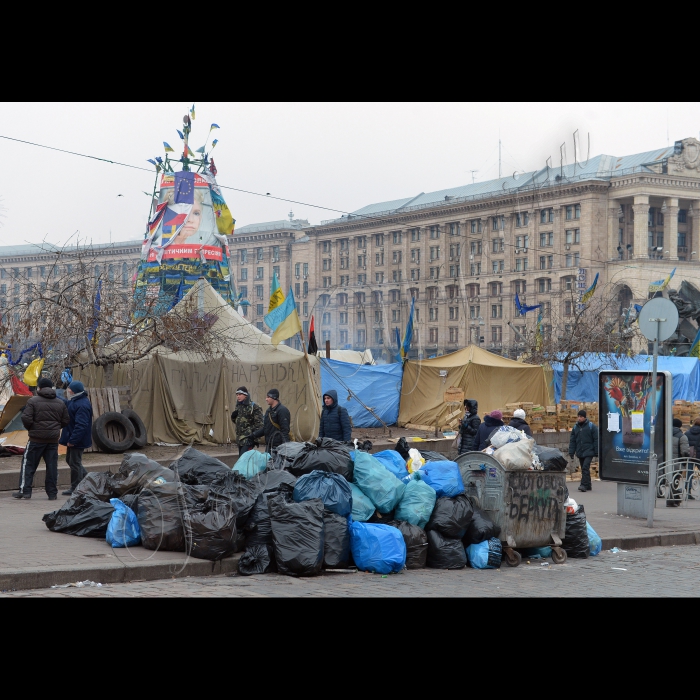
{"points": [[335, 155]]}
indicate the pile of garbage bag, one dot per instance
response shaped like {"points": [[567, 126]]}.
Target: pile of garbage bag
{"points": [[309, 507]]}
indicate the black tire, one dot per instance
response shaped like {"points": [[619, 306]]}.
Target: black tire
{"points": [[512, 557], [99, 432], [140, 436], [559, 555]]}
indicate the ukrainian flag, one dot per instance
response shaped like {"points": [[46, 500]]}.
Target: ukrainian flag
{"points": [[590, 291], [224, 219], [695, 347], [282, 315], [660, 285], [408, 334], [168, 148]]}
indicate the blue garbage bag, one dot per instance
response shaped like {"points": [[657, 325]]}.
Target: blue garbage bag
{"points": [[377, 548], [377, 482], [444, 477], [393, 461], [362, 508], [417, 503], [537, 552], [486, 554], [123, 529], [332, 489], [251, 463], [594, 542]]}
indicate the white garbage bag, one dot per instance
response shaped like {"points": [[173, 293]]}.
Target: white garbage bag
{"points": [[516, 455], [506, 434]]}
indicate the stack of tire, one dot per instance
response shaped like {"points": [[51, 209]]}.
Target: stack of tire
{"points": [[128, 424]]}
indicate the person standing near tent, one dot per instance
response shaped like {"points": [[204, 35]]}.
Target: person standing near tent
{"points": [[469, 426], [247, 418], [43, 416], [681, 449], [77, 435], [584, 444], [519, 423], [492, 422], [335, 420], [276, 422], [693, 435]]}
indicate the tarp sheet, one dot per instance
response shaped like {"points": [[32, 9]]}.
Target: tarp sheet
{"points": [[583, 386], [377, 386], [182, 397], [354, 356], [491, 379]]}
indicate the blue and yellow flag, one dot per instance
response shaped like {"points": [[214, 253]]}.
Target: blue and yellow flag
{"points": [[168, 148], [695, 347], [408, 333], [590, 291], [192, 112], [660, 285], [282, 317], [224, 219]]}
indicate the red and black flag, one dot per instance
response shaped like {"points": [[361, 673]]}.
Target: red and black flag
{"points": [[313, 348]]}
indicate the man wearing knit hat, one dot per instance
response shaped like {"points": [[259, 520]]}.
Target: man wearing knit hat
{"points": [[492, 422], [248, 418], [77, 435], [584, 444], [276, 423], [519, 423], [43, 416]]}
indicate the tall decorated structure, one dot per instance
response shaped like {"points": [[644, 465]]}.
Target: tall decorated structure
{"points": [[187, 235]]}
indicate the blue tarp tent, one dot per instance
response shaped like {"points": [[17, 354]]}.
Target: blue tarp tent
{"points": [[583, 386], [377, 386]]}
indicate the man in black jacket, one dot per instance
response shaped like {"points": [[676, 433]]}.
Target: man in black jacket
{"points": [[44, 416], [335, 420], [276, 423], [519, 423], [492, 422], [469, 426], [584, 444]]}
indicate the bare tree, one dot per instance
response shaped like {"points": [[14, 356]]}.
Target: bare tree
{"points": [[569, 331], [83, 315]]}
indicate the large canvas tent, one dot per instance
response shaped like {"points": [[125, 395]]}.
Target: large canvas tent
{"points": [[182, 397], [583, 385], [491, 379], [361, 387], [356, 357]]}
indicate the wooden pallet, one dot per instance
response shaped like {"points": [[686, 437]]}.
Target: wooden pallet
{"points": [[104, 401]]}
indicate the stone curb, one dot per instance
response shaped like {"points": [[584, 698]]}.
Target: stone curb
{"points": [[661, 539], [45, 577]]}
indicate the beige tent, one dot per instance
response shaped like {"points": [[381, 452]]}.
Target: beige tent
{"points": [[491, 379], [354, 357], [182, 397]]}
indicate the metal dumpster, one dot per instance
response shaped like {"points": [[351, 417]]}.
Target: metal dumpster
{"points": [[528, 505]]}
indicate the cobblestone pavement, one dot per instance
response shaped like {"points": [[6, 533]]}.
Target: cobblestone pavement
{"points": [[657, 571]]}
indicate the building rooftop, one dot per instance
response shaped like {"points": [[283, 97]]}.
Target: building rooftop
{"points": [[283, 224], [602, 167], [10, 251]]}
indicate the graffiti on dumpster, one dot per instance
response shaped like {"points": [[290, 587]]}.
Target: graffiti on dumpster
{"points": [[534, 495]]}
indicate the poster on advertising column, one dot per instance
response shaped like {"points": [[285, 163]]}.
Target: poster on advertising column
{"points": [[624, 404]]}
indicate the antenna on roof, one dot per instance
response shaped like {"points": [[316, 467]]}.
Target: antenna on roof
{"points": [[291, 215], [472, 172]]}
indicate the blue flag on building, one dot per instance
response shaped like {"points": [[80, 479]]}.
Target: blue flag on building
{"points": [[408, 334]]}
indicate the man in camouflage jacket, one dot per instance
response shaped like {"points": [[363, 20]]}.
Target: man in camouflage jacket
{"points": [[248, 418]]}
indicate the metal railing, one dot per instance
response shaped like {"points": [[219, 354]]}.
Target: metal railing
{"points": [[678, 480]]}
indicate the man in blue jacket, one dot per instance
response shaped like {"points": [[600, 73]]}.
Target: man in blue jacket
{"points": [[77, 435], [335, 421]]}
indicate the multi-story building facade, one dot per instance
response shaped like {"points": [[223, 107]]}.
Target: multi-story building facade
{"points": [[24, 266], [464, 253]]}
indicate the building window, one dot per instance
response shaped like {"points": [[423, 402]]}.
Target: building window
{"points": [[475, 248], [454, 335], [568, 283], [520, 286], [362, 279], [454, 313], [395, 295], [474, 311], [474, 290], [344, 244], [259, 273], [326, 335], [259, 253], [415, 255], [244, 292], [344, 263], [259, 291], [568, 307], [297, 289], [518, 264], [343, 320], [244, 256], [546, 239], [362, 261], [434, 232], [244, 273], [433, 336], [379, 277], [454, 270], [435, 253], [396, 237], [260, 309], [433, 314], [397, 275], [378, 318], [522, 219], [379, 258], [682, 216], [681, 239], [544, 284], [524, 264], [342, 299], [378, 336], [275, 253], [361, 318], [378, 239], [125, 274], [569, 260], [305, 307], [326, 263], [327, 282], [343, 337], [305, 288], [395, 315], [454, 229], [326, 246], [276, 270], [547, 216], [432, 293], [306, 270], [415, 235], [361, 338], [573, 235], [496, 310], [326, 318], [434, 273], [397, 256], [546, 309], [344, 280], [415, 273], [496, 334], [361, 241]]}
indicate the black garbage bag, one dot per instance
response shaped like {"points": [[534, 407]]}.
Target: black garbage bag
{"points": [[432, 456], [402, 448], [445, 552], [551, 458], [82, 516], [243, 491], [333, 489], [137, 472], [325, 454], [416, 543], [364, 446], [258, 527], [160, 515], [451, 516], [99, 485], [198, 468], [298, 535], [575, 542], [210, 527], [382, 518], [131, 500], [336, 548], [258, 559], [283, 456], [480, 528], [274, 480]]}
